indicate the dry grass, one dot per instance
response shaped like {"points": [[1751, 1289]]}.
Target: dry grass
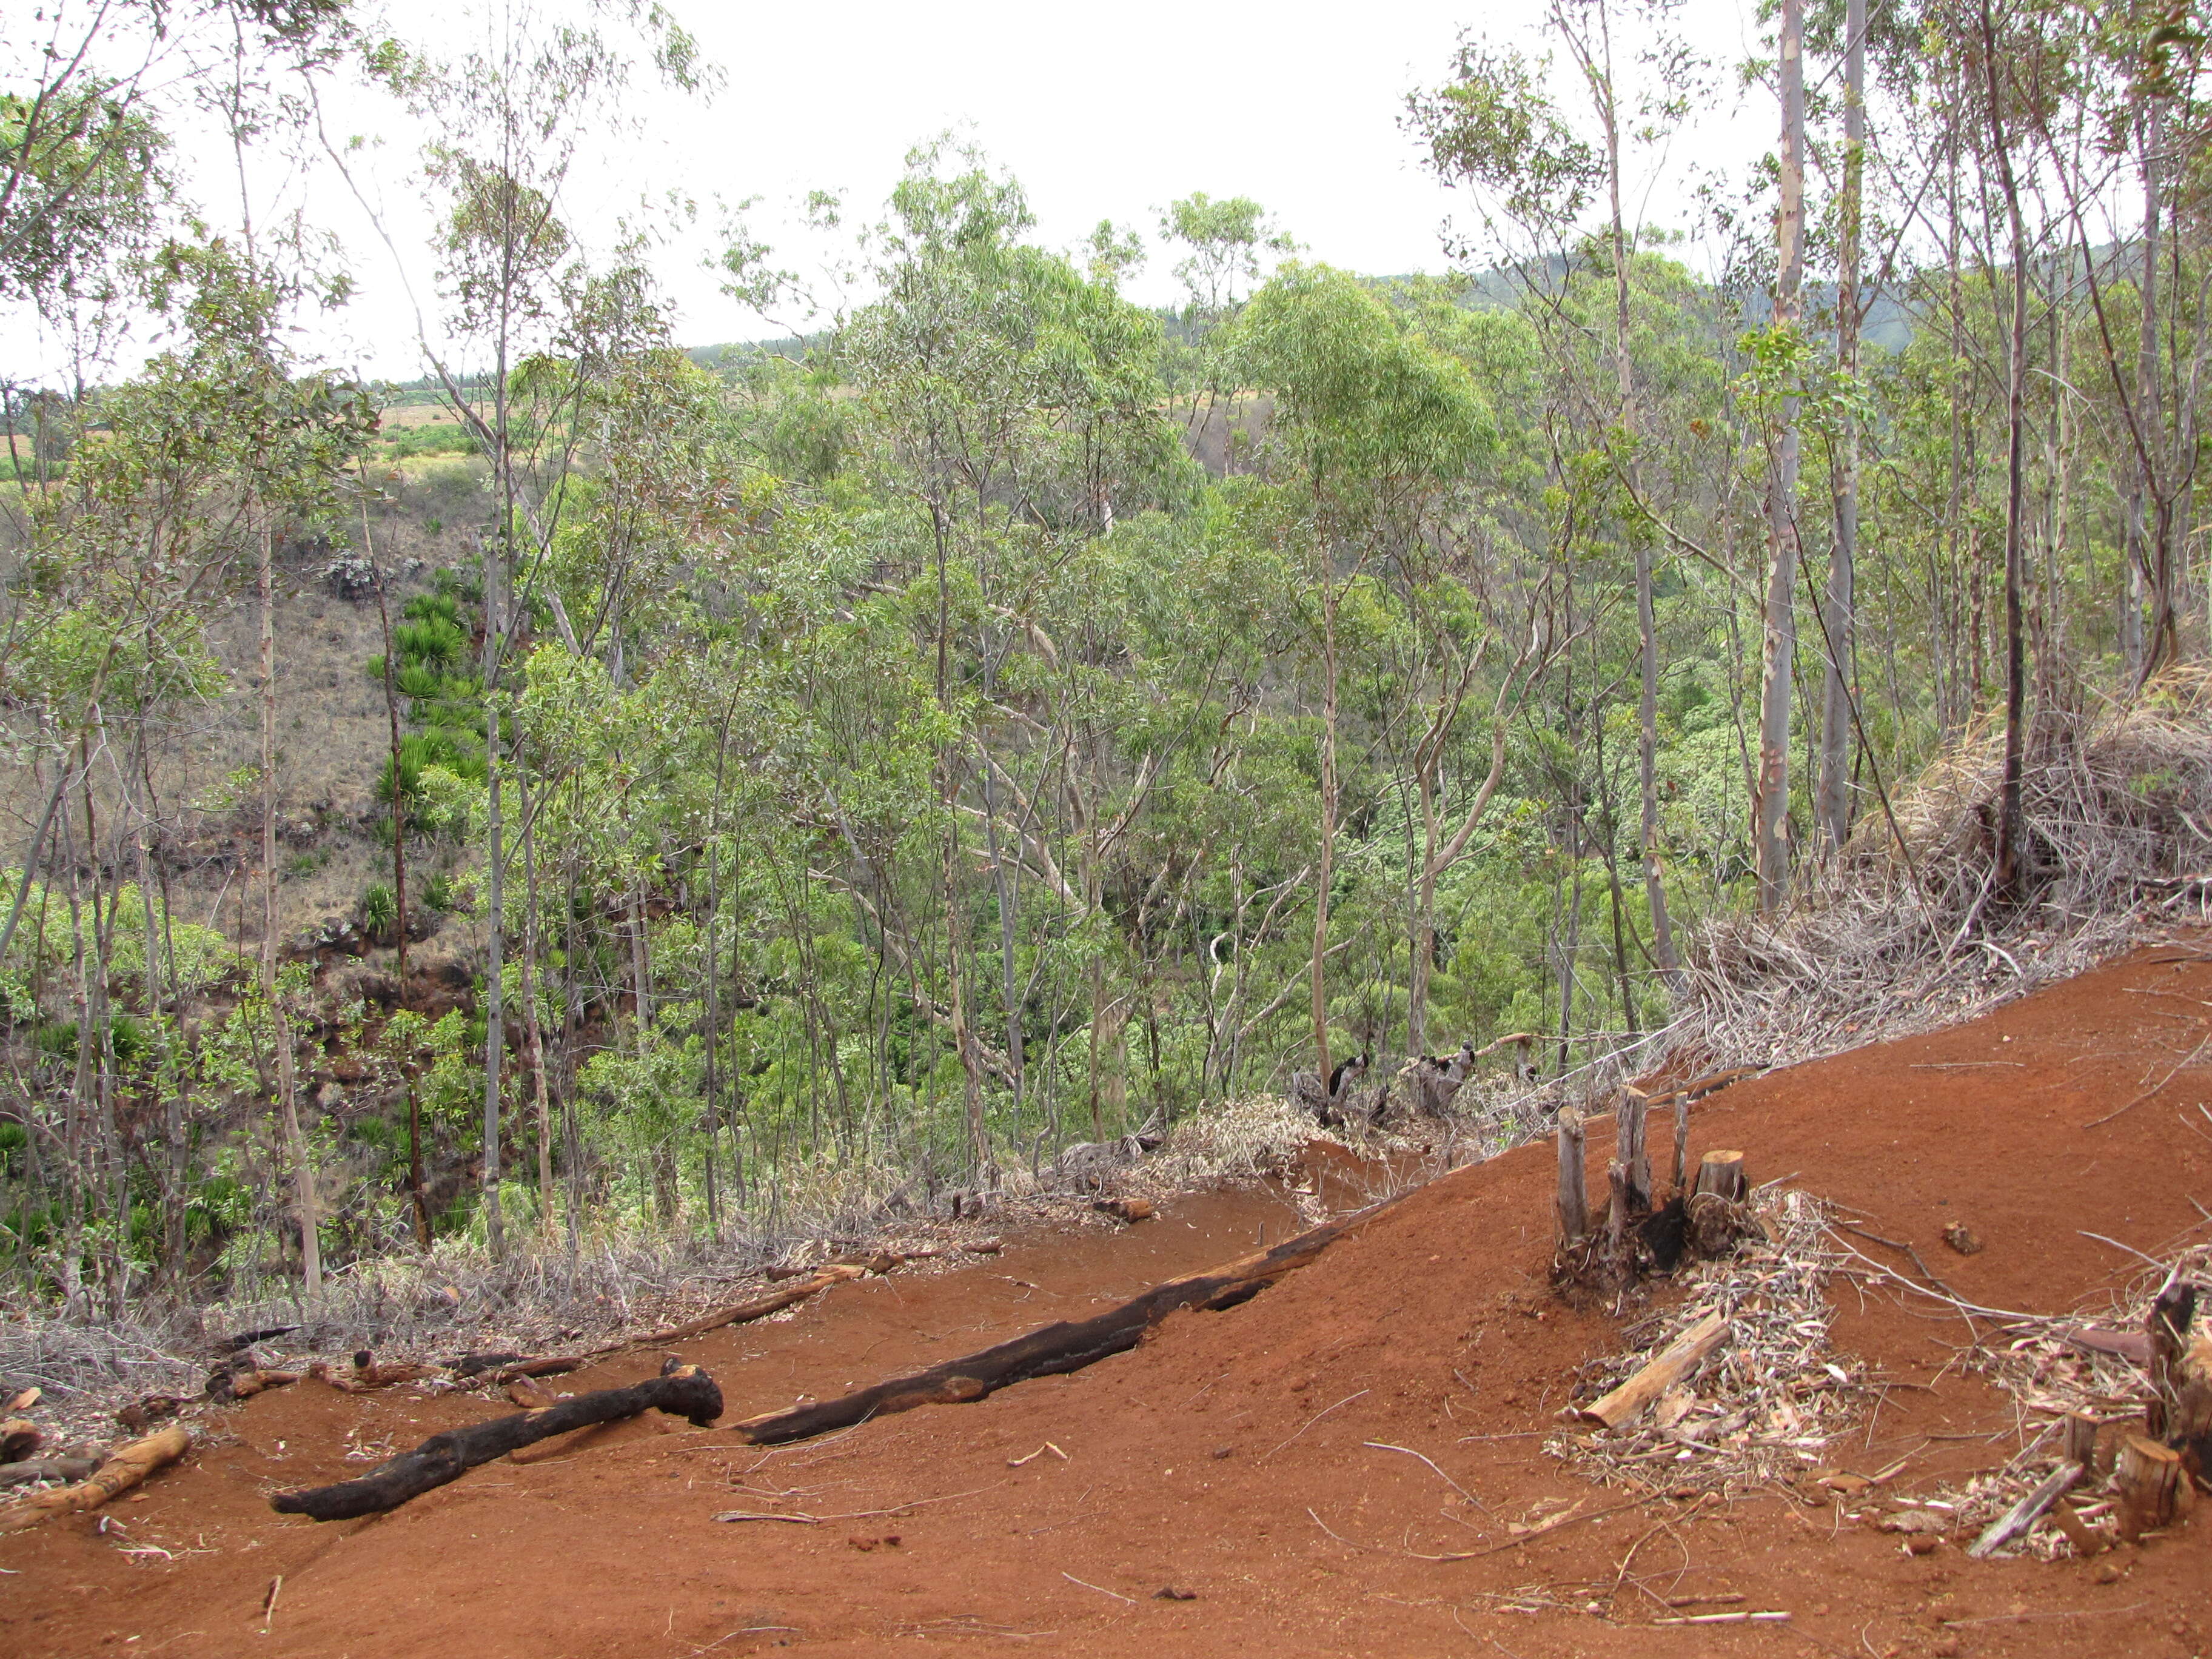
{"points": [[1909, 934]]}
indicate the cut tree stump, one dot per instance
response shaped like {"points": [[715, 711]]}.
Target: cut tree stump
{"points": [[2024, 1515], [123, 1470], [2151, 1481], [685, 1391], [1056, 1349], [2080, 1441], [1573, 1203], [1716, 1203], [1680, 1358], [1629, 1115], [1619, 1225], [46, 1468]]}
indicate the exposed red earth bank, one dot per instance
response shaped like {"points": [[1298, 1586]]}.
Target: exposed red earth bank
{"points": [[1228, 1456]]}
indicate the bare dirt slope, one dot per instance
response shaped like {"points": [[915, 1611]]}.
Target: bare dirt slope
{"points": [[1246, 1457]]}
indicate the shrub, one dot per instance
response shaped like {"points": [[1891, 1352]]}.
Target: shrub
{"points": [[380, 910]]}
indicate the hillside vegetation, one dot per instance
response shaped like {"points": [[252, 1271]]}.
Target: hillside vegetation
{"points": [[612, 790]]}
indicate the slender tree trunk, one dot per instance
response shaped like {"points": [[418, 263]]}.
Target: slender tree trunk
{"points": [[494, 566], [1778, 656], [1328, 597], [2009, 812], [533, 1029], [303, 1174], [2139, 651], [1832, 805], [419, 1202]]}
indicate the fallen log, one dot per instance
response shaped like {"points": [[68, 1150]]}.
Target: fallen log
{"points": [[1680, 1358], [366, 1374], [1054, 1350], [686, 1391], [27, 1470], [741, 1313], [124, 1469], [759, 1307]]}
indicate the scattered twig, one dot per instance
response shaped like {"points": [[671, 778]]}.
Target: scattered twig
{"points": [[2202, 1043], [1308, 1423], [1101, 1588], [1381, 1446]]}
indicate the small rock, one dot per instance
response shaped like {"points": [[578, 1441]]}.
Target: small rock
{"points": [[1170, 1593], [1921, 1544], [1962, 1239], [2108, 1572]]}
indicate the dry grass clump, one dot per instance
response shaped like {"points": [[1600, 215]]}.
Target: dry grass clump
{"points": [[1770, 1400], [1909, 932]]}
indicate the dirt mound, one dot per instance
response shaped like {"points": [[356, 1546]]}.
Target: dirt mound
{"points": [[1295, 1464]]}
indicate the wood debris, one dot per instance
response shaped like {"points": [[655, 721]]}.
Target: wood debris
{"points": [[1762, 1405]]}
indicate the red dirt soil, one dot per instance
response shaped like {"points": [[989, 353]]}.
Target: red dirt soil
{"points": [[1228, 1455]]}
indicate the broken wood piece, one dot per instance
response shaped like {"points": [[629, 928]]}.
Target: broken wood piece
{"points": [[2086, 1539], [1628, 1132], [1030, 1457], [527, 1393], [1680, 1359], [1127, 1209], [226, 1386], [1056, 1349], [686, 1391], [24, 1400], [2025, 1514], [125, 1468], [1573, 1202], [19, 1438], [46, 1468], [2149, 1478], [1728, 1619], [1681, 1138], [2124, 1345]]}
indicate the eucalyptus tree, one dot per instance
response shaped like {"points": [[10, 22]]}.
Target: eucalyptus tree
{"points": [[1373, 428], [512, 113]]}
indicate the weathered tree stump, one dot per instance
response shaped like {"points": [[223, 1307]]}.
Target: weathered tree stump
{"points": [[2168, 1324], [1628, 1120], [1573, 1203], [2152, 1485], [685, 1391], [1717, 1204], [2081, 1440], [1619, 1227]]}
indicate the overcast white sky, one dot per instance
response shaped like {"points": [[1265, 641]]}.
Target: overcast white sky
{"points": [[1106, 111]]}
